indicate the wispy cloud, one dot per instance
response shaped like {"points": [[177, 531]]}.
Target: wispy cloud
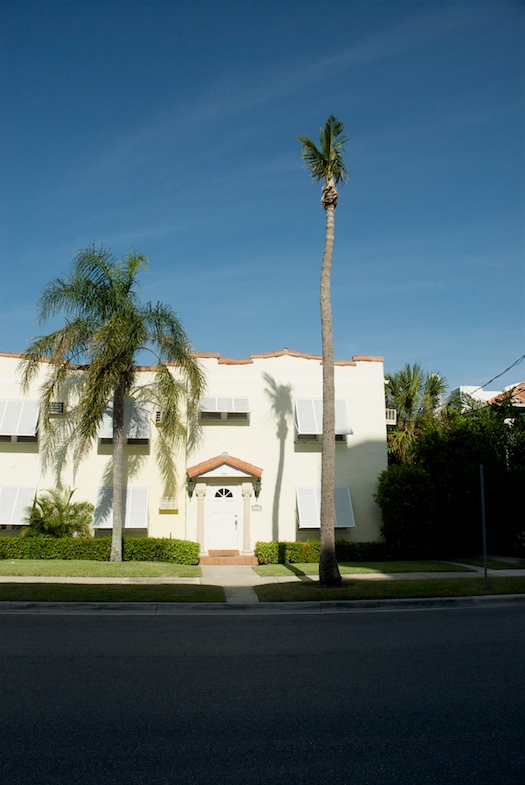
{"points": [[227, 98]]}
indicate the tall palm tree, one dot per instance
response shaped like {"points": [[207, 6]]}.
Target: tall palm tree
{"points": [[106, 327], [416, 396], [327, 163]]}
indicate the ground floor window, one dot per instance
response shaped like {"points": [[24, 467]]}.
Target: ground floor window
{"points": [[308, 499]]}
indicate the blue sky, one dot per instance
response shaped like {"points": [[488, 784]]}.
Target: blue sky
{"points": [[169, 128]]}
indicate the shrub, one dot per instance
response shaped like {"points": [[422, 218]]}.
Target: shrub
{"points": [[267, 552], [406, 498], [308, 552], [347, 550], [54, 514], [76, 548], [287, 552], [160, 549], [49, 547]]}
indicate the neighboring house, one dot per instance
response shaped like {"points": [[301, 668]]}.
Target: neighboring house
{"points": [[251, 473], [517, 397], [468, 393]]}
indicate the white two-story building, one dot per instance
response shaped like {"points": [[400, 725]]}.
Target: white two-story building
{"points": [[250, 473]]}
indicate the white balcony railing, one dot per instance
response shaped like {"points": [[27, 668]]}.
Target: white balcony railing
{"points": [[391, 416]]}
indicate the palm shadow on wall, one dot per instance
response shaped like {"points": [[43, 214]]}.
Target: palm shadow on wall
{"points": [[281, 402]]}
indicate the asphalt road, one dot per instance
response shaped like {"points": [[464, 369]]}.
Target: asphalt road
{"points": [[416, 697]]}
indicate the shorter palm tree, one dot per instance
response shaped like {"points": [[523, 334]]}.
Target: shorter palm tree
{"points": [[416, 396], [53, 513], [106, 328]]}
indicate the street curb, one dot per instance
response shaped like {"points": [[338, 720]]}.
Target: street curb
{"points": [[261, 608]]}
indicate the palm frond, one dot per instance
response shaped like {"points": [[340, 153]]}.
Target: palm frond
{"points": [[327, 160]]}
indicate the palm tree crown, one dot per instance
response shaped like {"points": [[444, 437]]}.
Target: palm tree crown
{"points": [[416, 397], [327, 160]]}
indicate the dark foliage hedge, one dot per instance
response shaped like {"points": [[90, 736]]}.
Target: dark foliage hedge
{"points": [[134, 549], [308, 552], [406, 498]]}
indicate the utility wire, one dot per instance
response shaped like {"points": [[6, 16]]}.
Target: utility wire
{"points": [[499, 374]]}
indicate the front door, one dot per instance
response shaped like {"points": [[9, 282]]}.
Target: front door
{"points": [[224, 526]]}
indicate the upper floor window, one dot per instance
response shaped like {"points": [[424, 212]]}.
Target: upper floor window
{"points": [[137, 423], [309, 419], [224, 408], [19, 421]]}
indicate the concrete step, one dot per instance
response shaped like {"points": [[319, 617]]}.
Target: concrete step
{"points": [[225, 560]]}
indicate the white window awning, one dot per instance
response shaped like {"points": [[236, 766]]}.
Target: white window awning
{"points": [[135, 508], [137, 421], [14, 501], [19, 418], [309, 416], [225, 404], [309, 506]]}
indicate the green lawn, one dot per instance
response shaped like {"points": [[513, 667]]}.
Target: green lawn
{"points": [[77, 592], [96, 569], [390, 590], [360, 568], [494, 564]]}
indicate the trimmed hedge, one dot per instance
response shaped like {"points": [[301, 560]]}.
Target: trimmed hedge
{"points": [[362, 551], [308, 552], [160, 549], [91, 549]]}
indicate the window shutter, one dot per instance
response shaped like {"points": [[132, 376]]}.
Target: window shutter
{"points": [[14, 499], [19, 418], [344, 514], [134, 512], [225, 404], [309, 416], [137, 421], [309, 506], [136, 508]]}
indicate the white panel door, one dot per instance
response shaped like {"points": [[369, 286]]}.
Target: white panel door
{"points": [[224, 521]]}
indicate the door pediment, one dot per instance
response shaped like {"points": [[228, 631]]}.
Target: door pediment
{"points": [[223, 465]]}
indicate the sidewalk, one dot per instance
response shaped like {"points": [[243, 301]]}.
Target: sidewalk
{"points": [[238, 580]]}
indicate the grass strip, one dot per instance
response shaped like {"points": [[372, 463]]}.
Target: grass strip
{"points": [[494, 564], [360, 568], [76, 592], [390, 590], [96, 569]]}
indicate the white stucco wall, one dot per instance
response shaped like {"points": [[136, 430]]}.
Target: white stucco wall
{"points": [[267, 441]]}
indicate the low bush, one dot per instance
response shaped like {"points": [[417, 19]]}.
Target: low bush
{"points": [[77, 548], [347, 550], [308, 552]]}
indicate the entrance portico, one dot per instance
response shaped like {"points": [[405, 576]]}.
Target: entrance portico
{"points": [[223, 487]]}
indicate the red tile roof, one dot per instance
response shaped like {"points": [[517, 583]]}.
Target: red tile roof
{"points": [[220, 460], [242, 360], [517, 397]]}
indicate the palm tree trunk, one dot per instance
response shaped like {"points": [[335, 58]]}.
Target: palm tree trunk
{"points": [[329, 574], [118, 457]]}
